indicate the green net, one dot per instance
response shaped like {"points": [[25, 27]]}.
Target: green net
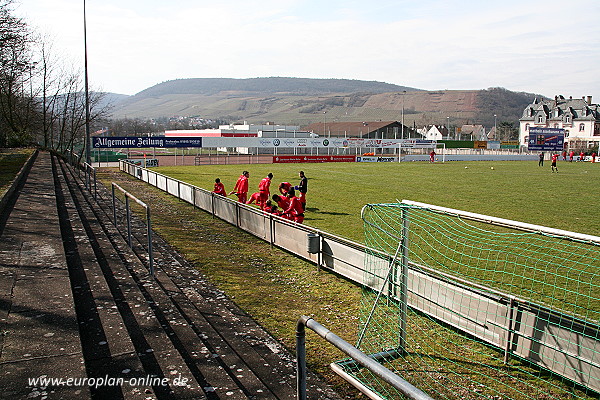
{"points": [[463, 308]]}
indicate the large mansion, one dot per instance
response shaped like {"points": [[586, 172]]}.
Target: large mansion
{"points": [[578, 117]]}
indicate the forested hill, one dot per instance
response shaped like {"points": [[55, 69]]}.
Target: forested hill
{"points": [[296, 86]]}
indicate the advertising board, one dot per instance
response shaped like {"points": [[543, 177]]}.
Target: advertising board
{"points": [[375, 159], [132, 142], [312, 159], [546, 139]]}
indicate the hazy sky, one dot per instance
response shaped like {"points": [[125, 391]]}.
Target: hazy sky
{"points": [[540, 46]]}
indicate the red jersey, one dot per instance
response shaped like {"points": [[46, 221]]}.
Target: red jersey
{"points": [[220, 189], [283, 203], [554, 157], [285, 187], [264, 185], [241, 186], [294, 206]]}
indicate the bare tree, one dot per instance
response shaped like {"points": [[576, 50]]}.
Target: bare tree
{"points": [[17, 103]]}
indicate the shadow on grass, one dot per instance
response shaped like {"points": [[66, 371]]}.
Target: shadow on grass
{"points": [[316, 210]]}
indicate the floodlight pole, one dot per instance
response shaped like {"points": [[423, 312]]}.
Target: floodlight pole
{"points": [[88, 158]]}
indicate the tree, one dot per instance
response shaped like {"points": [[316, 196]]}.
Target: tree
{"points": [[507, 131], [17, 103]]}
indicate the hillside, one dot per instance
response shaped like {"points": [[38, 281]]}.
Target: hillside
{"points": [[299, 101]]}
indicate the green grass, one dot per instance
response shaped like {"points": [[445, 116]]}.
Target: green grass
{"points": [[514, 190], [11, 162]]}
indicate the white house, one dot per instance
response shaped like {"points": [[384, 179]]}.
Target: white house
{"points": [[578, 117], [433, 132]]}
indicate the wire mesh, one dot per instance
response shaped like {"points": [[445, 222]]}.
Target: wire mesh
{"points": [[494, 312]]}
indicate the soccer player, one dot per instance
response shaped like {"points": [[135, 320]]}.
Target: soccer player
{"points": [[241, 187], [255, 197], [303, 188], [554, 158], [282, 201], [264, 189], [284, 187], [295, 211], [219, 188]]}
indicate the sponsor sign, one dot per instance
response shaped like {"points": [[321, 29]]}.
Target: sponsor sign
{"points": [[493, 145], [151, 162], [417, 144], [546, 139], [478, 144], [132, 142], [509, 144], [144, 162], [375, 159], [312, 159]]}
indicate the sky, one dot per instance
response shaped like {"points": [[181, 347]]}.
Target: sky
{"points": [[546, 47]]}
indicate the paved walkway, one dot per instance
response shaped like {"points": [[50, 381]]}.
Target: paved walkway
{"points": [[78, 305]]}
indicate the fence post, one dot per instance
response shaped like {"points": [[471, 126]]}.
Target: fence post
{"points": [[128, 212], [212, 204], [509, 328], [404, 280], [150, 258], [114, 204], [301, 359]]}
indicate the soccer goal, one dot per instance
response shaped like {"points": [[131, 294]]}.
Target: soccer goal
{"points": [[464, 305]]}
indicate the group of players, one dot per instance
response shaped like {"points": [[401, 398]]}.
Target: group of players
{"points": [[285, 204]]}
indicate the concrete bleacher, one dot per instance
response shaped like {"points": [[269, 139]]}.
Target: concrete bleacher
{"points": [[77, 303]]}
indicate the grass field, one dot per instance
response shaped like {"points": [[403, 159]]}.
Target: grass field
{"points": [[514, 190], [11, 161]]}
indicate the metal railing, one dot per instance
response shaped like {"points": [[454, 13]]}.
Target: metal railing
{"points": [[89, 172], [128, 216], [361, 358]]}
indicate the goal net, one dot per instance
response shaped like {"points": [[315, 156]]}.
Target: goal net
{"points": [[467, 306]]}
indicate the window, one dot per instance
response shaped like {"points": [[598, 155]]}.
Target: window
{"points": [[581, 127], [540, 119], [526, 127], [568, 119], [556, 126]]}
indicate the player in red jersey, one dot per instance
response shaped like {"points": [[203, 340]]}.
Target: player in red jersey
{"points": [[284, 187], [554, 159], [282, 201], [295, 209], [264, 189], [241, 187], [219, 188]]}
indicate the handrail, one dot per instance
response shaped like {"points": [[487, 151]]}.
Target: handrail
{"points": [[128, 213], [370, 363]]}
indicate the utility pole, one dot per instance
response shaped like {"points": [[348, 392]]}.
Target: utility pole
{"points": [[88, 144]]}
